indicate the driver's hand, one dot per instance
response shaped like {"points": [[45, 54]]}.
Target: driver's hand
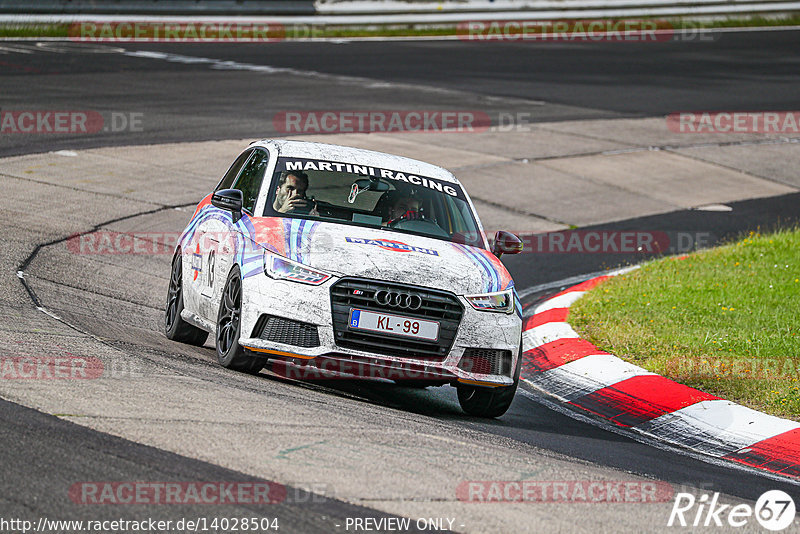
{"points": [[293, 204], [410, 215]]}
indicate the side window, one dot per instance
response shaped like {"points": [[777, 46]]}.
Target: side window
{"points": [[233, 172], [249, 182]]}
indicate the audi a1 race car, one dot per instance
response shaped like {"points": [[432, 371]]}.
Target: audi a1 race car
{"points": [[349, 262]]}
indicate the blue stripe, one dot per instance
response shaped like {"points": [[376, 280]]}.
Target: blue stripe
{"points": [[308, 233], [252, 272], [292, 249], [488, 268], [495, 284], [463, 249], [299, 240], [205, 214], [248, 223], [287, 233], [190, 230], [245, 228]]}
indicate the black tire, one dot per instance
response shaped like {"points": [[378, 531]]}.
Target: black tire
{"points": [[175, 328], [488, 401], [229, 353]]}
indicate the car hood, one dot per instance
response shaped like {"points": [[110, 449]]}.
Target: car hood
{"points": [[346, 250]]}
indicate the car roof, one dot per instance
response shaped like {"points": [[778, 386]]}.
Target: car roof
{"points": [[360, 156]]}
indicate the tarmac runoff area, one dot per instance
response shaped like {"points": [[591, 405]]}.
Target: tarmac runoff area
{"points": [[175, 398]]}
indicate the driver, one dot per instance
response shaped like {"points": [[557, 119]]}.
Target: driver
{"points": [[400, 205], [290, 195]]}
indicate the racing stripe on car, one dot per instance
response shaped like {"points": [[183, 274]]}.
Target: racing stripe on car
{"points": [[306, 234], [586, 380], [204, 215], [290, 227], [297, 240], [491, 276], [249, 251], [298, 234], [188, 234], [490, 268], [245, 248]]}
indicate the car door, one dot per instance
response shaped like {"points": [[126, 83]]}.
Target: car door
{"points": [[201, 256], [229, 235]]}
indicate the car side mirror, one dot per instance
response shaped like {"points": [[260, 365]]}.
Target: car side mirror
{"points": [[229, 200], [506, 243]]}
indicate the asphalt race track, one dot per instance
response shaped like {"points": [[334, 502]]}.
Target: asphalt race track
{"points": [[189, 100], [211, 423]]}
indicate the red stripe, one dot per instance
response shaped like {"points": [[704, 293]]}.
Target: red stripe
{"points": [[583, 286], [779, 454], [640, 399], [556, 315], [590, 284], [556, 353]]}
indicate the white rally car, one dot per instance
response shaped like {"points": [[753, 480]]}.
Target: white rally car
{"points": [[349, 262]]}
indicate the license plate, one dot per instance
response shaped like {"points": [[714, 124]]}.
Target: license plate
{"points": [[398, 325]]}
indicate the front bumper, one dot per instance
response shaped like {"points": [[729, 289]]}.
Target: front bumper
{"points": [[476, 335]]}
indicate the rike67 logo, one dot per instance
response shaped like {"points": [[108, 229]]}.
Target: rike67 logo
{"points": [[774, 510]]}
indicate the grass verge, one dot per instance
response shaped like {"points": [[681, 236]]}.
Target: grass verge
{"points": [[724, 320], [66, 30]]}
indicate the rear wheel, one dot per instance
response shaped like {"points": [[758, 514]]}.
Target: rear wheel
{"points": [[175, 327], [488, 401], [229, 353]]}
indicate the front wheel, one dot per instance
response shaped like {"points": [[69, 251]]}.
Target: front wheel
{"points": [[488, 401], [229, 353]]}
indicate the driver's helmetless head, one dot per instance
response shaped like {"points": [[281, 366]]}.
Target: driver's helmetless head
{"points": [[291, 185], [402, 205]]}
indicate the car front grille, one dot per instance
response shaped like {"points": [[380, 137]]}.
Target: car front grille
{"points": [[286, 331], [486, 362], [433, 305]]}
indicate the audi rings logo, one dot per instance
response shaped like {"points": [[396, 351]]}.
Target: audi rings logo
{"points": [[398, 300]]}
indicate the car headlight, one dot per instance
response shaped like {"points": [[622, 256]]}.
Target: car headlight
{"points": [[281, 268], [501, 301]]}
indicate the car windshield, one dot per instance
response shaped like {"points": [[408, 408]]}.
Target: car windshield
{"points": [[362, 195]]}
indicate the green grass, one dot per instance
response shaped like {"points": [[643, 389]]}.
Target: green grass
{"points": [[410, 30], [724, 320], [34, 30]]}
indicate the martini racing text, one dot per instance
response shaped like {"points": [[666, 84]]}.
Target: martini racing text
{"points": [[293, 164]]}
